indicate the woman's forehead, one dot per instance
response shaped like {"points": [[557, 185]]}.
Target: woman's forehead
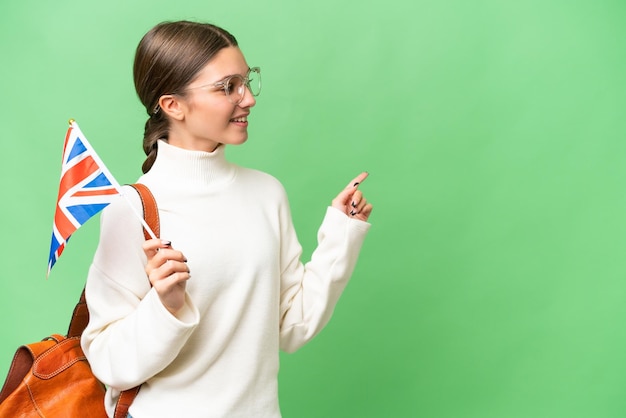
{"points": [[227, 61]]}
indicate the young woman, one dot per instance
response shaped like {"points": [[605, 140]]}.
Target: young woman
{"points": [[197, 318]]}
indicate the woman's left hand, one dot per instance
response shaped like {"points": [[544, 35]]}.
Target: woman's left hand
{"points": [[352, 202]]}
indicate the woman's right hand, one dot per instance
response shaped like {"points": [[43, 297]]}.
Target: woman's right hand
{"points": [[352, 202], [168, 273]]}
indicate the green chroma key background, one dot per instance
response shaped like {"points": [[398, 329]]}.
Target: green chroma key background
{"points": [[493, 281]]}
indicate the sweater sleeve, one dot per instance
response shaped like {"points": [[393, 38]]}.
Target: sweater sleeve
{"points": [[309, 292], [130, 336]]}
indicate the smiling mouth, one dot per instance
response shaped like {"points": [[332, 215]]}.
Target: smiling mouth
{"points": [[242, 119]]}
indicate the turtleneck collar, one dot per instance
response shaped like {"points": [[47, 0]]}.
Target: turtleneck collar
{"points": [[180, 166]]}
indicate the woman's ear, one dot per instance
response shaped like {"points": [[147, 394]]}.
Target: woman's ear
{"points": [[172, 106]]}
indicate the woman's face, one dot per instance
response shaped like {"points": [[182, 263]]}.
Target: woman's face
{"points": [[208, 117]]}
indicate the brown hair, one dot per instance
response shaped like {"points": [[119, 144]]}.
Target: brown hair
{"points": [[167, 59]]}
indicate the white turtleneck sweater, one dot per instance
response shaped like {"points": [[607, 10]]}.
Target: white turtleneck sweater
{"points": [[249, 294]]}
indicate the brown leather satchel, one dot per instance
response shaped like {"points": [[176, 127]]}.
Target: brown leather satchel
{"points": [[52, 378]]}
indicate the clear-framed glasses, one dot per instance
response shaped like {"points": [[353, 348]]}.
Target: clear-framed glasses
{"points": [[235, 85]]}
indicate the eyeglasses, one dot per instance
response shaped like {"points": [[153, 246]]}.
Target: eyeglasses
{"points": [[235, 85]]}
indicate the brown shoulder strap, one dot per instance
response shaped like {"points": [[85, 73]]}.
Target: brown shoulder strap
{"points": [[80, 318], [124, 401], [150, 211]]}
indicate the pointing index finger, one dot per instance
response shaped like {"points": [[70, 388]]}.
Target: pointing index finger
{"points": [[358, 180]]}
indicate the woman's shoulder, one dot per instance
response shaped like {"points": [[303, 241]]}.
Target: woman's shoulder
{"points": [[257, 178]]}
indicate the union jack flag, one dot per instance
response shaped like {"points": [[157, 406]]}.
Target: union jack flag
{"points": [[85, 189]]}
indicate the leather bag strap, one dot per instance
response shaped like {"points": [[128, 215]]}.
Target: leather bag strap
{"points": [[150, 211], [80, 318], [124, 401]]}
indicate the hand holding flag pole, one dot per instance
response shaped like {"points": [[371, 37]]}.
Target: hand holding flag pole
{"points": [[86, 187]]}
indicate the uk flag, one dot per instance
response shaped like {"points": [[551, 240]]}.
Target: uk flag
{"points": [[86, 187]]}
